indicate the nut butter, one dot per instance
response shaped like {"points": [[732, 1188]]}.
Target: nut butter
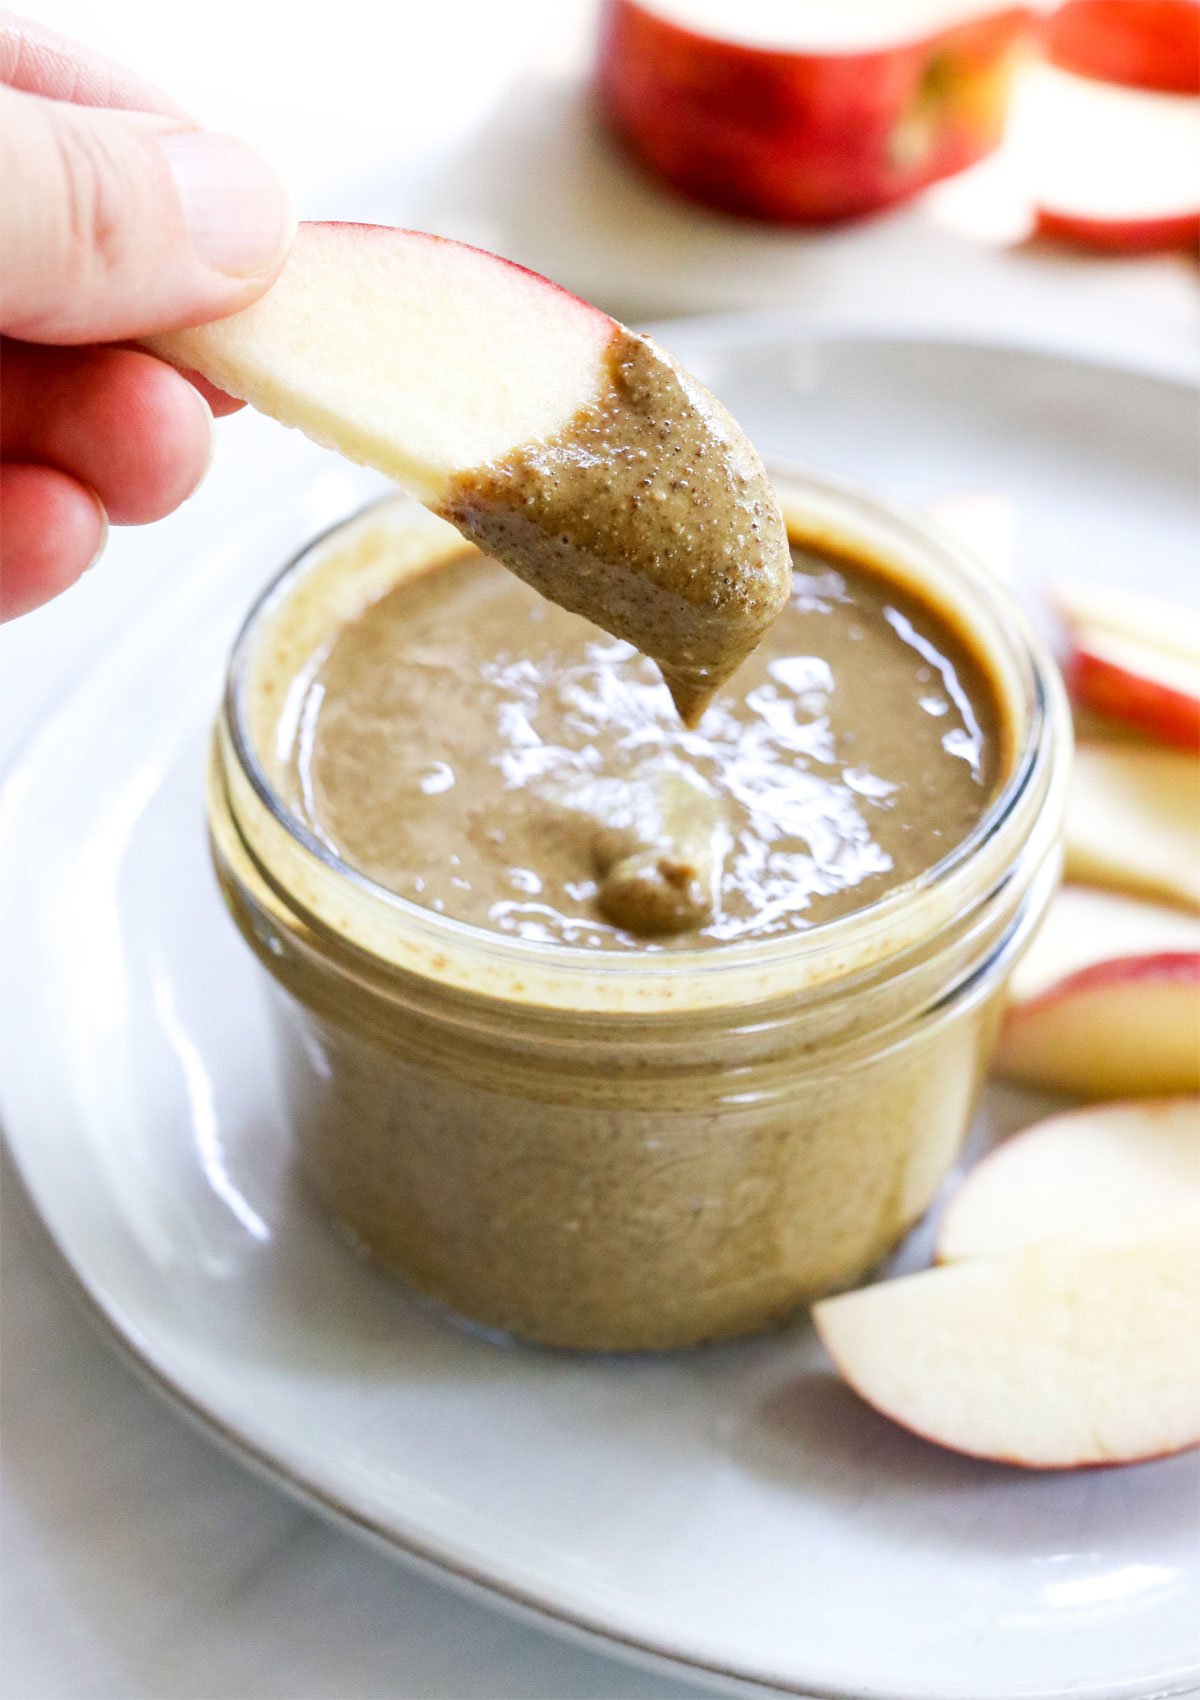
{"points": [[601, 1030]]}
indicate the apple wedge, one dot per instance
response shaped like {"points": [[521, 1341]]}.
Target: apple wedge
{"points": [[1120, 1029], [1149, 44], [1133, 659], [802, 111], [1086, 927], [1112, 168], [1148, 688], [1106, 1001], [1133, 821], [1167, 626], [527, 417], [404, 352], [1107, 1171], [1076, 1353]]}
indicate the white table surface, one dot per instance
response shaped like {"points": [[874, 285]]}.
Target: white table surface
{"points": [[136, 1560]]}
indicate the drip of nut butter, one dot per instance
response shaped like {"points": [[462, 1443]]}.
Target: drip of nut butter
{"points": [[657, 844], [650, 514]]}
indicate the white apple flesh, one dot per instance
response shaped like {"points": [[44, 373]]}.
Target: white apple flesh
{"points": [[1135, 660], [532, 421], [1133, 821], [1167, 626], [1121, 1029], [1109, 1171], [1077, 1353], [1086, 928], [417, 356], [1108, 167]]}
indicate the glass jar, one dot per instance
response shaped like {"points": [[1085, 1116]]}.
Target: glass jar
{"points": [[629, 1150]]}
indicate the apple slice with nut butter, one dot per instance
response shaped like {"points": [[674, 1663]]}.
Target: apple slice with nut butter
{"points": [[573, 450]]}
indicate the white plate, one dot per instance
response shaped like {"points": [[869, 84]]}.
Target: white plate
{"points": [[733, 1510]]}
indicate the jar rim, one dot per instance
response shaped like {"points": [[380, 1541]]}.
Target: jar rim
{"points": [[1036, 752]]}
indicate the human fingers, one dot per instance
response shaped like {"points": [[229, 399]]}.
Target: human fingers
{"points": [[40, 61], [51, 530], [118, 224], [117, 420]]}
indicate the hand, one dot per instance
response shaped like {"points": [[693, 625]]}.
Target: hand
{"points": [[118, 217]]}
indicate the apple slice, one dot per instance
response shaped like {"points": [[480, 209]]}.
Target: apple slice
{"points": [[1106, 1002], [526, 416], [1108, 1171], [1168, 626], [1134, 659], [1148, 688], [1133, 821], [802, 111], [1076, 1353], [1120, 1029], [1086, 927], [1110, 168], [1149, 44]]}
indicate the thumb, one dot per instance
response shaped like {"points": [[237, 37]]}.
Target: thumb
{"points": [[118, 224]]}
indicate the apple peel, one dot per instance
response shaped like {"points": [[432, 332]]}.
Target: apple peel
{"points": [[1118, 1029], [1148, 44], [797, 111]]}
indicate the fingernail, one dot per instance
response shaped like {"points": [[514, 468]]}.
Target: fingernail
{"points": [[103, 532], [237, 210]]}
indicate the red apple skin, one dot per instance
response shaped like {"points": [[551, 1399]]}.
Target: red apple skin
{"points": [[1168, 716], [805, 138], [1146, 44], [1124, 236], [388, 232], [1178, 967]]}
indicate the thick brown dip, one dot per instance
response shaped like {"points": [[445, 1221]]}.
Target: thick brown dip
{"points": [[488, 755], [603, 1077], [650, 514]]}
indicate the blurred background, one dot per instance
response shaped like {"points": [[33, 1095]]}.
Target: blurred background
{"points": [[138, 1561]]}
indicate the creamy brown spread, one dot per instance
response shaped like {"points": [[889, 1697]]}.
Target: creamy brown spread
{"points": [[490, 756], [651, 515]]}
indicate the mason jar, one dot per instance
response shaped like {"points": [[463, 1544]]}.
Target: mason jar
{"points": [[642, 1149]]}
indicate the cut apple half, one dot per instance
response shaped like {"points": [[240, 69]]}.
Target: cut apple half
{"points": [[514, 409], [1133, 821], [803, 111], [1107, 1171], [1076, 1353], [1108, 167], [1150, 44]]}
